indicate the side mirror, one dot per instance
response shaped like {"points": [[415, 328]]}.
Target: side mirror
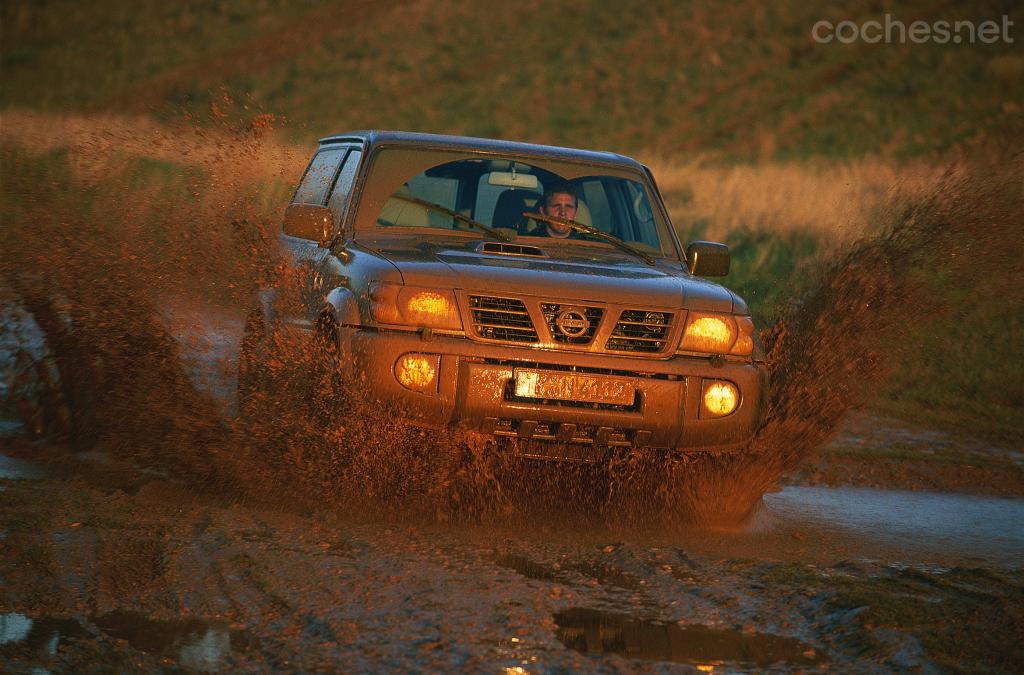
{"points": [[309, 221], [707, 259]]}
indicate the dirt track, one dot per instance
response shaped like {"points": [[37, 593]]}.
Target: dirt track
{"points": [[131, 570]]}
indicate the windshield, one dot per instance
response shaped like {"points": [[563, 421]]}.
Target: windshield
{"points": [[532, 201]]}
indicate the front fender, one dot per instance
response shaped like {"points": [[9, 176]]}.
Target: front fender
{"points": [[343, 306]]}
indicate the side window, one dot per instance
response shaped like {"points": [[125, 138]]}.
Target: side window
{"points": [[343, 186], [597, 200], [319, 175], [441, 191], [640, 214]]}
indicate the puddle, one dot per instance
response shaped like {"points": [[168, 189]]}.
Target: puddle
{"points": [[592, 632], [36, 637], [196, 644], [12, 468], [958, 526], [11, 428], [528, 568]]}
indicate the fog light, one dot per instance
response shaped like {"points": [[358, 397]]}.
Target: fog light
{"points": [[417, 371], [720, 398]]}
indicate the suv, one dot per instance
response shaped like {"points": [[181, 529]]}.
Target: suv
{"points": [[439, 278]]}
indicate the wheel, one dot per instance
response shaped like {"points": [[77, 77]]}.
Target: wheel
{"points": [[328, 384]]}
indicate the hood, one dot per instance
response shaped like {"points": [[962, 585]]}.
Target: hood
{"points": [[589, 274]]}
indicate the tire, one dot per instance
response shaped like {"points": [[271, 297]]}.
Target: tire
{"points": [[327, 382]]}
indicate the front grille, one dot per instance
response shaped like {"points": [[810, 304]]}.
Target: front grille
{"points": [[593, 316], [639, 330], [582, 369], [566, 440], [503, 319]]}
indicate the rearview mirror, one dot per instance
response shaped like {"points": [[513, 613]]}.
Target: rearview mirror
{"points": [[525, 181], [309, 221], [707, 259]]}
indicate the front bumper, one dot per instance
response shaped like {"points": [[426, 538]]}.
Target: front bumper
{"points": [[474, 391]]}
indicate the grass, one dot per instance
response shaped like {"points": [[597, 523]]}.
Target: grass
{"points": [[966, 370], [64, 55], [685, 79], [834, 202]]}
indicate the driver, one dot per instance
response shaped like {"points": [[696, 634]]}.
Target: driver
{"points": [[560, 201]]}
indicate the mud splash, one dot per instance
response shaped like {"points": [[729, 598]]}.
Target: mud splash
{"points": [[839, 341], [943, 525], [96, 279]]}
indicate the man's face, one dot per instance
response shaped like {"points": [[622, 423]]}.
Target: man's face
{"points": [[560, 205]]}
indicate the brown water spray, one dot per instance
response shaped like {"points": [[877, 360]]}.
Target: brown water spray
{"points": [[95, 288]]}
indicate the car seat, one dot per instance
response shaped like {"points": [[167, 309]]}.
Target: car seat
{"points": [[403, 213], [509, 209]]}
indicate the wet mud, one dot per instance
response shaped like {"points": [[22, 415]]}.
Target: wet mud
{"points": [[166, 577]]}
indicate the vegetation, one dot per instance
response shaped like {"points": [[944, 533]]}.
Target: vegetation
{"points": [[743, 82]]}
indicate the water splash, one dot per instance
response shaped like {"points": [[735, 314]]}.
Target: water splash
{"points": [[94, 280]]}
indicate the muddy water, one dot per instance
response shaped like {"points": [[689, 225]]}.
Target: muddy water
{"points": [[209, 342], [951, 527], [194, 644], [596, 632], [13, 468]]}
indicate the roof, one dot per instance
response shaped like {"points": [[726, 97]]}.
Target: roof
{"points": [[485, 145]]}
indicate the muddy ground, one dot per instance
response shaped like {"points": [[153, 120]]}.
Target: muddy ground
{"points": [[894, 548], [108, 565]]}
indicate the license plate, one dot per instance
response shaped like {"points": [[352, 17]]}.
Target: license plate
{"points": [[562, 386]]}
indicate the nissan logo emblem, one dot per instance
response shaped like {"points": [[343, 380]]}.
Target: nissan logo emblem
{"points": [[572, 323]]}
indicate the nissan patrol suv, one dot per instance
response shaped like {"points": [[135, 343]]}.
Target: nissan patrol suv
{"points": [[522, 292]]}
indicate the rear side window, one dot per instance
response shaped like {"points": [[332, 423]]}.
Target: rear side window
{"points": [[319, 176], [343, 186]]}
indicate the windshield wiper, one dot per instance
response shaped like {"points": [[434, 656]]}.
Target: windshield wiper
{"points": [[594, 232], [454, 214]]}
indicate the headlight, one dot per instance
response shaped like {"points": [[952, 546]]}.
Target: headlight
{"points": [[720, 398], [417, 371], [413, 306], [718, 334]]}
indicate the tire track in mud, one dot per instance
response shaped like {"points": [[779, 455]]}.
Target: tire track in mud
{"points": [[313, 590]]}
